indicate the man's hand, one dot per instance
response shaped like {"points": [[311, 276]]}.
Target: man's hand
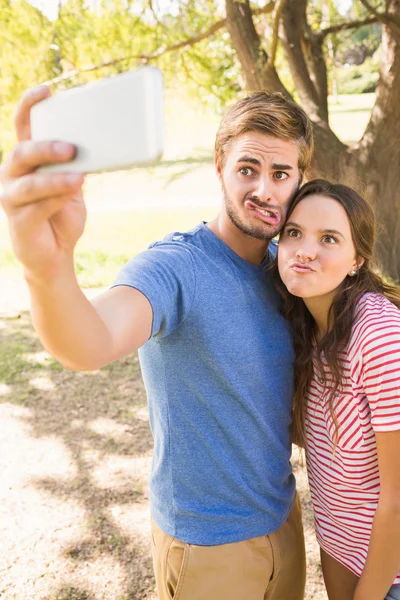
{"points": [[46, 211]]}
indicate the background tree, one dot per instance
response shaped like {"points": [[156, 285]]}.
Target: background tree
{"points": [[373, 162], [220, 49]]}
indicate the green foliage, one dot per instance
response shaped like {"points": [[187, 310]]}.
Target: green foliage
{"points": [[358, 79], [25, 58], [117, 35], [97, 268]]}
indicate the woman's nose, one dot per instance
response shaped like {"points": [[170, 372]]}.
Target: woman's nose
{"points": [[306, 252]]}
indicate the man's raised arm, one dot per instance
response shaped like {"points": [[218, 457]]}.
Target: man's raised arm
{"points": [[47, 214]]}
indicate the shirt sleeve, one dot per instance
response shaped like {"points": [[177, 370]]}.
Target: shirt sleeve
{"points": [[380, 366], [164, 273]]}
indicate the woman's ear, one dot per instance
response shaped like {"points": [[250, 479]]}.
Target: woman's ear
{"points": [[359, 263]]}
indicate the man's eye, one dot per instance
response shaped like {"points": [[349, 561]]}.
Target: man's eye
{"points": [[280, 175], [246, 171]]}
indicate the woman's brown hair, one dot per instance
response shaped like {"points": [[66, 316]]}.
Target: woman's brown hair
{"points": [[363, 229]]}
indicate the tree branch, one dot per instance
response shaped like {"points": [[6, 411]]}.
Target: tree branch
{"points": [[263, 10], [346, 25], [275, 31], [145, 58], [155, 16], [384, 17]]}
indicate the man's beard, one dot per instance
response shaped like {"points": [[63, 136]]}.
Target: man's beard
{"points": [[262, 232]]}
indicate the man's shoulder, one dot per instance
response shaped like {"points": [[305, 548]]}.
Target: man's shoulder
{"points": [[273, 248], [179, 239]]}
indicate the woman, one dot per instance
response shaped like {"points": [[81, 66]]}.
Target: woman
{"points": [[346, 323]]}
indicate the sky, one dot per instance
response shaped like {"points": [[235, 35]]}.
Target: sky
{"points": [[50, 7]]}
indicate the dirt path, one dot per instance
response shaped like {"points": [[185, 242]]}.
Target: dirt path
{"points": [[75, 452]]}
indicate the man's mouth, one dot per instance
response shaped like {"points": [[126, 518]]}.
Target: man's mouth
{"points": [[267, 215]]}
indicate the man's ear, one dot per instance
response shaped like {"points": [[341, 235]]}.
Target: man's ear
{"points": [[217, 165]]}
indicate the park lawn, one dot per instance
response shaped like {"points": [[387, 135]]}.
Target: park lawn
{"points": [[75, 458], [128, 210], [349, 115], [76, 447]]}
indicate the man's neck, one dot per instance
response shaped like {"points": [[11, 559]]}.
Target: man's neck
{"points": [[250, 249]]}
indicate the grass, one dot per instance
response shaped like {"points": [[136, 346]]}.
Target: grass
{"points": [[75, 458], [130, 209], [349, 115], [76, 447]]}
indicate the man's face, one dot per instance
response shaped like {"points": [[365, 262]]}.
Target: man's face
{"points": [[259, 179]]}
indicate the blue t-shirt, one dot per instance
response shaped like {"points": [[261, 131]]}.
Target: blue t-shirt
{"points": [[218, 376]]}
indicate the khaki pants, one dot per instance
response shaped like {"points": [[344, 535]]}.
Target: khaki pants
{"points": [[269, 567]]}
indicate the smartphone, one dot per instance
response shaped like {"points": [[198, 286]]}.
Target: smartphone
{"points": [[115, 123]]}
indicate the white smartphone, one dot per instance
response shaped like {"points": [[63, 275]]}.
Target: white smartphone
{"points": [[115, 123]]}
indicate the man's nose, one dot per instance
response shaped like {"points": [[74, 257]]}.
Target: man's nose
{"points": [[264, 190]]}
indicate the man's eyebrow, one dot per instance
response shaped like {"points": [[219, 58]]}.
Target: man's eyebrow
{"points": [[333, 231], [279, 167], [249, 159], [255, 161]]}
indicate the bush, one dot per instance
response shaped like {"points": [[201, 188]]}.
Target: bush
{"points": [[357, 79]]}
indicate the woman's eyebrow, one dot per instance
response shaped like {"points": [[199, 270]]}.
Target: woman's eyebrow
{"points": [[335, 231], [332, 231], [293, 224]]}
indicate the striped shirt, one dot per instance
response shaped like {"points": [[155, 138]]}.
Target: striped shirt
{"points": [[344, 482]]}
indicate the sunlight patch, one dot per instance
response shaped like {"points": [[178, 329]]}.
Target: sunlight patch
{"points": [[42, 383], [142, 413], [122, 472], [35, 358], [132, 519], [4, 389], [108, 426]]}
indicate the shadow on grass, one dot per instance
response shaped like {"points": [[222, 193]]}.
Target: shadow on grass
{"points": [[181, 167], [338, 108], [96, 416]]}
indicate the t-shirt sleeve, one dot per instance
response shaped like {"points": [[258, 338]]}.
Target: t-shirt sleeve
{"points": [[380, 367], [164, 273]]}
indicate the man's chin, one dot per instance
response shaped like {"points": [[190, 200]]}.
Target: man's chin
{"points": [[265, 233]]}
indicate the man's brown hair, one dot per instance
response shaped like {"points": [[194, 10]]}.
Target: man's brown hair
{"points": [[271, 114]]}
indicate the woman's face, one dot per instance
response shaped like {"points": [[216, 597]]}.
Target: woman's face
{"points": [[316, 250]]}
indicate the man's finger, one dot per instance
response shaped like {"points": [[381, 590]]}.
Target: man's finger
{"points": [[22, 117], [31, 189], [34, 215], [28, 155]]}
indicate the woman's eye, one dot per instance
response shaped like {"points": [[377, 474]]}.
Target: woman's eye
{"points": [[329, 239], [292, 232], [281, 175], [246, 171]]}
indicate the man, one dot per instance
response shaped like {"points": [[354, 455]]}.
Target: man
{"points": [[215, 353]]}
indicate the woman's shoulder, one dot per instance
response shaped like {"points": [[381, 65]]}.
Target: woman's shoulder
{"points": [[375, 316], [370, 304]]}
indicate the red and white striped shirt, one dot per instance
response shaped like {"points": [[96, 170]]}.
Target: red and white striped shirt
{"points": [[345, 483]]}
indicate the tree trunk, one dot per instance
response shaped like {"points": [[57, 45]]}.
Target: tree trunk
{"points": [[257, 73], [378, 152], [372, 165]]}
